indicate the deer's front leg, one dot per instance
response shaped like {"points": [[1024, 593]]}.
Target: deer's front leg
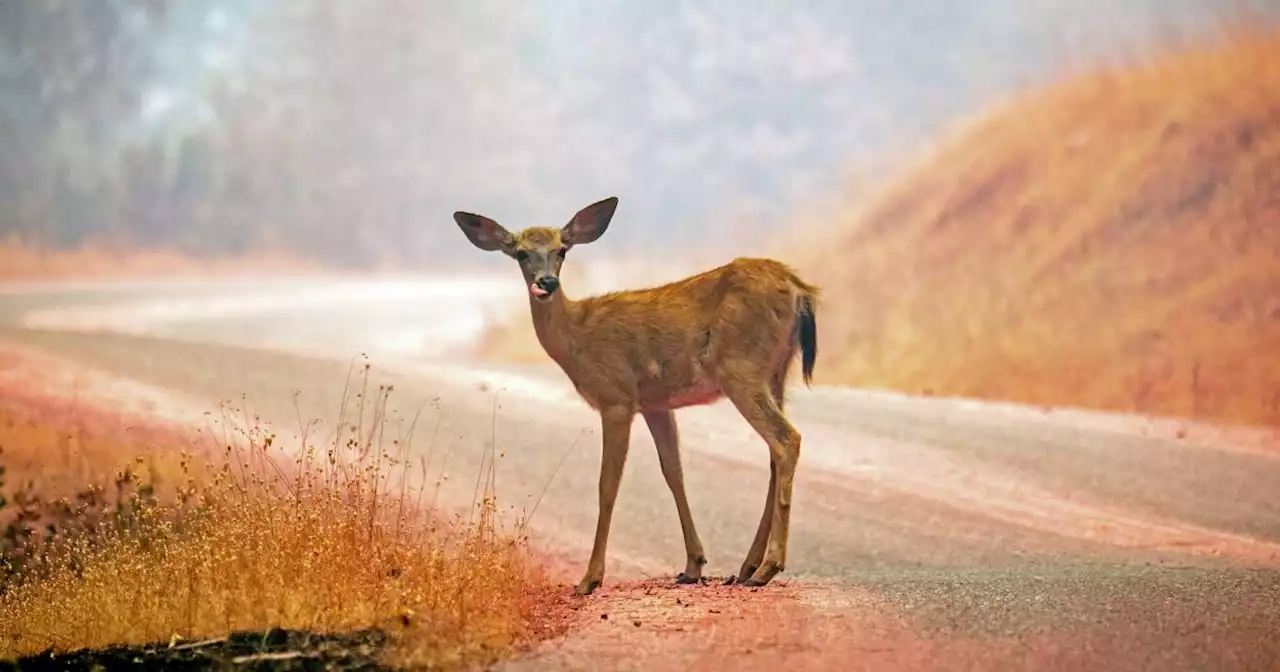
{"points": [[662, 424], [616, 427]]}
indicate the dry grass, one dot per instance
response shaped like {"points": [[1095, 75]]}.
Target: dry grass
{"points": [[22, 261], [337, 536], [1110, 242], [53, 446]]}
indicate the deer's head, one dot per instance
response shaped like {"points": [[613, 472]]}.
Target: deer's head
{"points": [[540, 250]]}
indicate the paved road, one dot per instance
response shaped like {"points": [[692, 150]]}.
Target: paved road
{"points": [[1155, 544]]}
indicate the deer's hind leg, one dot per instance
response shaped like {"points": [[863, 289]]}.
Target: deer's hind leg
{"points": [[662, 424], [762, 412], [755, 397], [755, 555]]}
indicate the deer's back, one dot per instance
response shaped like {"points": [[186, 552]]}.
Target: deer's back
{"points": [[663, 344]]}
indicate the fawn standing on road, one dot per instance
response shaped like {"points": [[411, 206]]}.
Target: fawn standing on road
{"points": [[731, 331]]}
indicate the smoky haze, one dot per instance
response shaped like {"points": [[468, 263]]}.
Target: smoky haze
{"points": [[348, 132]]}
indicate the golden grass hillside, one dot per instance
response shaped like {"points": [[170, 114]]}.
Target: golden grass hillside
{"points": [[1109, 242]]}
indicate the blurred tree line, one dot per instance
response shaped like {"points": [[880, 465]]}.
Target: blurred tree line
{"points": [[304, 148], [70, 73]]}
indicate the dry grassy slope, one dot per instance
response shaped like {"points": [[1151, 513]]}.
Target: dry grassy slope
{"points": [[1111, 242]]}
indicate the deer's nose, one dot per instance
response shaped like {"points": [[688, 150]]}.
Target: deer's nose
{"points": [[548, 283]]}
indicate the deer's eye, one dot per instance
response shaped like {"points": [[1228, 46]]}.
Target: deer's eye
{"points": [[561, 252], [521, 255]]}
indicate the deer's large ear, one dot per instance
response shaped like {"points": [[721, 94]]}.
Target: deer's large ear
{"points": [[483, 232], [590, 222]]}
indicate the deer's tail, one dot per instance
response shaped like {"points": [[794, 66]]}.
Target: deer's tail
{"points": [[807, 335]]}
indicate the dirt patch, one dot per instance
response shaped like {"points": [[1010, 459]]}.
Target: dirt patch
{"points": [[655, 625]]}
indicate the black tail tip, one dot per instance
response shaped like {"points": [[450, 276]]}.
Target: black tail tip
{"points": [[808, 337]]}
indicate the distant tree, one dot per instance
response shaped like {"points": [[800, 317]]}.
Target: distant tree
{"points": [[324, 137], [70, 73]]}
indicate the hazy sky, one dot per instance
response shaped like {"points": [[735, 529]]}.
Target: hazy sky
{"points": [[700, 115]]}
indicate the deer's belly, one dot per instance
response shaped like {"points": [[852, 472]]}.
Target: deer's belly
{"points": [[702, 392]]}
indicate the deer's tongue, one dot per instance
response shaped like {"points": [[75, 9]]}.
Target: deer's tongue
{"points": [[537, 291]]}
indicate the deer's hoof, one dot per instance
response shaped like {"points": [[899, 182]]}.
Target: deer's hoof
{"points": [[587, 586], [686, 579], [762, 575]]}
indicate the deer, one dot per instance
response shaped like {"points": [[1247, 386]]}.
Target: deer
{"points": [[728, 332]]}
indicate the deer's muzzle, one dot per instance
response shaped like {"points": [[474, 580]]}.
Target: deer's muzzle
{"points": [[544, 286]]}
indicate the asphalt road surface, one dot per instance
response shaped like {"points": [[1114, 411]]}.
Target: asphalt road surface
{"points": [[1041, 539]]}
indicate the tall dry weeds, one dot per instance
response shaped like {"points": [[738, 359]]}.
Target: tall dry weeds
{"points": [[329, 537]]}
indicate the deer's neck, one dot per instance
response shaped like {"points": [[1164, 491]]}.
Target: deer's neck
{"points": [[553, 324]]}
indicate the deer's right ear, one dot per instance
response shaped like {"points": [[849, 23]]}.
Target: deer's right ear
{"points": [[483, 232]]}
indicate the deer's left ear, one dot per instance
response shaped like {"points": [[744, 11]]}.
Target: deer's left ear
{"points": [[483, 232], [590, 223]]}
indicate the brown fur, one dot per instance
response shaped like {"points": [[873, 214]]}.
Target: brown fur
{"points": [[731, 331]]}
